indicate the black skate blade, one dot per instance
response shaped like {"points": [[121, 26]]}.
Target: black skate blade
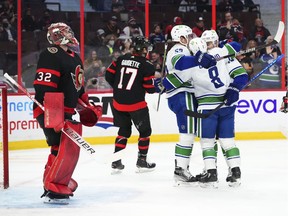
{"points": [[235, 184], [48, 200], [116, 171], [144, 170], [209, 184], [178, 183]]}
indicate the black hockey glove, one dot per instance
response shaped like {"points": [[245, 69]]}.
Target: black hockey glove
{"points": [[159, 87], [231, 95], [205, 60]]}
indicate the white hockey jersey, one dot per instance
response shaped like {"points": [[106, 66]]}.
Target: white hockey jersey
{"points": [[173, 55], [210, 85]]}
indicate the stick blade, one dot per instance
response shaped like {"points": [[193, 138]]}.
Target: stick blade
{"points": [[195, 114], [280, 31]]}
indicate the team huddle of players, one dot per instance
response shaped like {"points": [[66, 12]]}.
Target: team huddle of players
{"points": [[196, 79]]}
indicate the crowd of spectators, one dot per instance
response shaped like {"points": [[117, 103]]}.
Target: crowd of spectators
{"points": [[8, 22], [113, 38]]}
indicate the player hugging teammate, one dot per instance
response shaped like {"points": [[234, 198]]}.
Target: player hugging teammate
{"points": [[211, 83]]}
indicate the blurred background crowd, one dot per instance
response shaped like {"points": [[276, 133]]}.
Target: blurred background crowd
{"points": [[111, 26]]}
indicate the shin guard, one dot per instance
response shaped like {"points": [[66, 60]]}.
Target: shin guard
{"points": [[120, 143], [58, 177], [143, 145]]}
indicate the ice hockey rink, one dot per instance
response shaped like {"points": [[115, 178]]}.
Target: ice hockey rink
{"points": [[264, 189]]}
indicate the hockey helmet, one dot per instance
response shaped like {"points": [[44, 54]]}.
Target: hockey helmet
{"points": [[140, 43], [210, 36], [197, 44], [61, 34], [179, 31]]}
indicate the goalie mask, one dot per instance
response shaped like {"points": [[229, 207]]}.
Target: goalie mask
{"points": [[61, 34]]}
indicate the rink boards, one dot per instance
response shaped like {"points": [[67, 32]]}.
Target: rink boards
{"points": [[257, 117]]}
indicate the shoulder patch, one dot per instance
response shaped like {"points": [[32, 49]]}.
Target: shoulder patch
{"points": [[52, 50]]}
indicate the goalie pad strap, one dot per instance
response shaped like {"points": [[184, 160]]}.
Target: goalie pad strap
{"points": [[58, 177]]}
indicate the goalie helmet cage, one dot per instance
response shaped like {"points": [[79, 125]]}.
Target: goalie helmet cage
{"points": [[4, 166]]}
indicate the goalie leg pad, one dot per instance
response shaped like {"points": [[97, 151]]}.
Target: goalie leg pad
{"points": [[72, 183], [58, 177]]}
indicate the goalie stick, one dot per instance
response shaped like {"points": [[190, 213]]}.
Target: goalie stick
{"points": [[277, 38], [72, 134], [206, 115]]}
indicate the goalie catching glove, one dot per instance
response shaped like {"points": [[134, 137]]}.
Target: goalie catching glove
{"points": [[89, 113]]}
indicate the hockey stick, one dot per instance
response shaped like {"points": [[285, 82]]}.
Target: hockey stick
{"points": [[73, 135], [206, 115], [277, 38], [162, 74]]}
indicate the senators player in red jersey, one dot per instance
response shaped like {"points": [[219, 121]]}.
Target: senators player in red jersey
{"points": [[60, 70], [131, 76]]}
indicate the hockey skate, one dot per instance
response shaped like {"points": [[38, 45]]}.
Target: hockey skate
{"points": [[198, 176], [234, 177], [208, 179], [53, 198], [183, 177], [117, 167], [144, 166]]}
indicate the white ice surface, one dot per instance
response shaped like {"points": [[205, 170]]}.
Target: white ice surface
{"points": [[264, 189]]}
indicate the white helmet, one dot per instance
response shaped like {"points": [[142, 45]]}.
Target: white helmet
{"points": [[210, 36], [197, 44], [181, 30]]}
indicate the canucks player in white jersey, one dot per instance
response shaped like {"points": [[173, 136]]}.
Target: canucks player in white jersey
{"points": [[213, 86], [182, 98]]}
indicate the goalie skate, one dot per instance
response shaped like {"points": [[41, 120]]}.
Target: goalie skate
{"points": [[208, 179], [50, 198], [234, 177], [183, 177]]}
